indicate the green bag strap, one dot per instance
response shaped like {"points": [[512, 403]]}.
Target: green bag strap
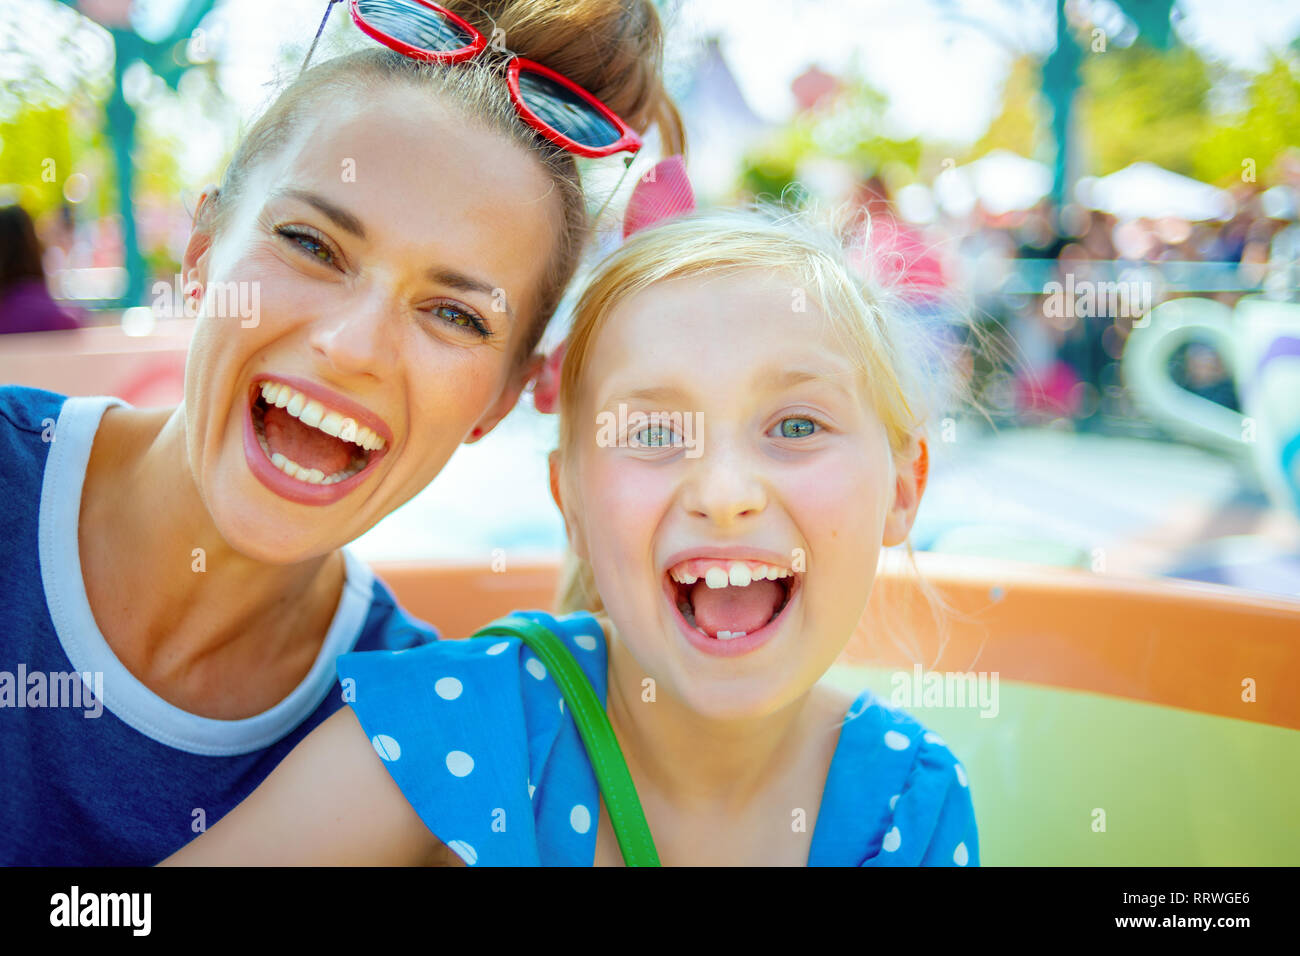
{"points": [[612, 775]]}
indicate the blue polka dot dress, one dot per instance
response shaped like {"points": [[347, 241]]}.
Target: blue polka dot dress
{"points": [[477, 736]]}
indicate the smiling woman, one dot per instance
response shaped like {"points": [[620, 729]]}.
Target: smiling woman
{"points": [[376, 294], [407, 235]]}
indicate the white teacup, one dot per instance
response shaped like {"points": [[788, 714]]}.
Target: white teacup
{"points": [[1260, 346]]}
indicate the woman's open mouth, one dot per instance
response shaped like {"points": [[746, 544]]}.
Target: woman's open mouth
{"points": [[726, 606], [308, 445]]}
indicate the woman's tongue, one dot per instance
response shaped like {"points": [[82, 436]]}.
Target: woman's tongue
{"points": [[306, 446], [734, 609]]}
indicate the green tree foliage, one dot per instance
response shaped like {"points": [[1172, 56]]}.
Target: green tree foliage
{"points": [[1268, 124], [851, 129], [45, 143], [1019, 124], [1141, 103], [36, 156]]}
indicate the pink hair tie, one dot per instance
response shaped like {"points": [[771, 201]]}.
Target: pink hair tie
{"points": [[664, 192]]}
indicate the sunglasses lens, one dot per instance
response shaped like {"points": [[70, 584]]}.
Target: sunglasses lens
{"points": [[566, 112], [414, 24]]}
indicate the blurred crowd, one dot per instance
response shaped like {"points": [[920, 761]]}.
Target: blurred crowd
{"points": [[1031, 361]]}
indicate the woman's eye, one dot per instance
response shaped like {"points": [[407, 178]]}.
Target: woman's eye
{"points": [[309, 244], [462, 319], [796, 427], [656, 436]]}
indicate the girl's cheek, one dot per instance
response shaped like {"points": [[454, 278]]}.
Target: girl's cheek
{"points": [[624, 502], [838, 508]]}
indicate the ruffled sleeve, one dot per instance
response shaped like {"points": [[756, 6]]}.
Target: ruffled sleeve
{"points": [[478, 738], [895, 796], [935, 813]]}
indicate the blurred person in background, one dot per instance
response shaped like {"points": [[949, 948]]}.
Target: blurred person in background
{"points": [[912, 264], [25, 302], [903, 256]]}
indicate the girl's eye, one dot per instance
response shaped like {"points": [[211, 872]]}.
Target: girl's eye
{"points": [[462, 319], [309, 243], [656, 436], [796, 427]]}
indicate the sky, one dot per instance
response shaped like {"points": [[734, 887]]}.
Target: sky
{"points": [[941, 62]]}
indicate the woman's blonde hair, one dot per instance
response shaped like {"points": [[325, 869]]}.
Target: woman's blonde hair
{"points": [[612, 48], [905, 371]]}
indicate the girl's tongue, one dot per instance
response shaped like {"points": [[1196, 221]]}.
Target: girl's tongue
{"points": [[309, 447], [735, 608]]}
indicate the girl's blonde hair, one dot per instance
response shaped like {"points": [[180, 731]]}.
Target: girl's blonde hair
{"points": [[904, 370]]}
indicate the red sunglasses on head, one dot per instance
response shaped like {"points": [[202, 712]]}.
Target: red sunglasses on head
{"points": [[552, 104]]}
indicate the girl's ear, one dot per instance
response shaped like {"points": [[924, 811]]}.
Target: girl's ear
{"points": [[913, 472], [572, 527]]}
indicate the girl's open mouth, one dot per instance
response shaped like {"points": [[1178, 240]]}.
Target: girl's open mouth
{"points": [[303, 444], [728, 606]]}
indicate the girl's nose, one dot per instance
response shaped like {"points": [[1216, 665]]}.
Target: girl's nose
{"points": [[357, 339], [724, 486]]}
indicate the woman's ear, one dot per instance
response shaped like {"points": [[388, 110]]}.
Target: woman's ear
{"points": [[194, 261], [913, 472], [572, 527], [507, 400]]}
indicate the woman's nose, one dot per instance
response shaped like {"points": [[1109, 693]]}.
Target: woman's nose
{"points": [[358, 338]]}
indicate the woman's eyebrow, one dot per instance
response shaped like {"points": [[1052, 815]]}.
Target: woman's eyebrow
{"points": [[340, 216], [347, 221], [465, 283]]}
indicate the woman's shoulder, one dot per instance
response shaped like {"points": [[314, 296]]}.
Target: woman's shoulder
{"points": [[27, 410], [28, 420]]}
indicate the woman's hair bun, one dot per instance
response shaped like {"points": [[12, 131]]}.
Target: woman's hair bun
{"points": [[611, 48]]}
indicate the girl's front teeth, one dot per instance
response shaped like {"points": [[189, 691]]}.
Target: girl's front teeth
{"points": [[734, 573], [313, 413]]}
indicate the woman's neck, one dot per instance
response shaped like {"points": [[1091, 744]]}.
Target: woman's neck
{"points": [[205, 627]]}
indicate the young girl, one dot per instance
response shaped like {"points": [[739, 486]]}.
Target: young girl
{"points": [[725, 551]]}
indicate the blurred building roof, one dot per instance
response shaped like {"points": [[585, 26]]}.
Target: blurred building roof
{"points": [[720, 125]]}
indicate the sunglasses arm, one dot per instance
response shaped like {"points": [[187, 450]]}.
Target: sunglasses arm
{"points": [[316, 39]]}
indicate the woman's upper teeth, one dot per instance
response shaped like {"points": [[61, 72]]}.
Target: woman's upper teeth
{"points": [[313, 413], [720, 574]]}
